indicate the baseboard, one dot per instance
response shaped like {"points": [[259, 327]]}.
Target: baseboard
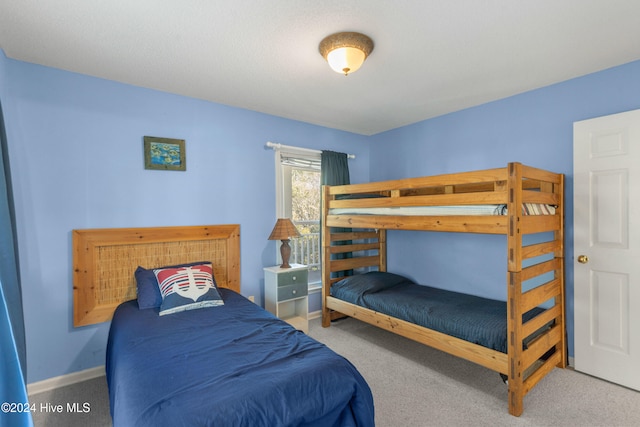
{"points": [[64, 380], [314, 314]]}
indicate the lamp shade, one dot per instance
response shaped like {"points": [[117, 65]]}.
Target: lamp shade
{"points": [[284, 230], [345, 52]]}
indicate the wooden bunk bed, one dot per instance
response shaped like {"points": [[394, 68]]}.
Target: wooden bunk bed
{"points": [[363, 236]]}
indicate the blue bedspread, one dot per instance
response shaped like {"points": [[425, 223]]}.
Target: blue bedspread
{"points": [[475, 319], [233, 365]]}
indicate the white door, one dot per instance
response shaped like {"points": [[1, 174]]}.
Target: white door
{"points": [[607, 247]]}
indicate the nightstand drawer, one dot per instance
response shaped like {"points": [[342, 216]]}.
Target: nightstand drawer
{"points": [[293, 278], [297, 290], [286, 294]]}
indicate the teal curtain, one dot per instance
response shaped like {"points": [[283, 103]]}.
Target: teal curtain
{"points": [[12, 338], [334, 170]]}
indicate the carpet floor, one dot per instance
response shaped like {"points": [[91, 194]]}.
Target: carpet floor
{"points": [[414, 385]]}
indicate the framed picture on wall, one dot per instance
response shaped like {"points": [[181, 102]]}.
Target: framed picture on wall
{"points": [[164, 154]]}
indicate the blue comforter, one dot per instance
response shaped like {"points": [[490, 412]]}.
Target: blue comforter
{"points": [[475, 319], [233, 365]]}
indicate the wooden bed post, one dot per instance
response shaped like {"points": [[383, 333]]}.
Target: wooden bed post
{"points": [[559, 237], [382, 251], [514, 290], [326, 257]]}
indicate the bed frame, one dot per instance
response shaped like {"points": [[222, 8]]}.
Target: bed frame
{"points": [[104, 262], [513, 185]]}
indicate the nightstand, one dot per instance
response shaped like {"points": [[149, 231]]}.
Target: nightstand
{"points": [[285, 294]]}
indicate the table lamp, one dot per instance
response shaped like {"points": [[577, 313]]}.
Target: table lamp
{"points": [[284, 230]]}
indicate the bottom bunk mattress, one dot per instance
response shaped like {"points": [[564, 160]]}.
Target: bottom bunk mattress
{"points": [[474, 319], [231, 365]]}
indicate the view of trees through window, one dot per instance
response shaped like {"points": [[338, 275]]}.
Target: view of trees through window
{"points": [[305, 199], [305, 213]]}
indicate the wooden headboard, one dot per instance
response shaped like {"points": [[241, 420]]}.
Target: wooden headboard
{"points": [[104, 262]]}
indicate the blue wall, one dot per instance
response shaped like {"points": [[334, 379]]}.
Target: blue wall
{"points": [[535, 128], [75, 144], [76, 151]]}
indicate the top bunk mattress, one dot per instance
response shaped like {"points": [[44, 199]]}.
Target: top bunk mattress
{"points": [[472, 210], [471, 318]]}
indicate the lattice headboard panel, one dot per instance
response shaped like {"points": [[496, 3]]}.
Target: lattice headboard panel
{"points": [[104, 262]]}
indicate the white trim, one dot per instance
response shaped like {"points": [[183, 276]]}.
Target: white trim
{"points": [[283, 180], [277, 146], [314, 314], [65, 380], [316, 288]]}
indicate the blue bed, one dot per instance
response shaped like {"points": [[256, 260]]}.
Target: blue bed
{"points": [[471, 318], [231, 365]]}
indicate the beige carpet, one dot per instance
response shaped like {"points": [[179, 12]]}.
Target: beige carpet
{"points": [[414, 385]]}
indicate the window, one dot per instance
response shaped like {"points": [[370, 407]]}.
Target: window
{"points": [[298, 198]]}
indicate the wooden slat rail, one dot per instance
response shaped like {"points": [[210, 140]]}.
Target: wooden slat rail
{"points": [[541, 372], [485, 176], [513, 186], [460, 224], [541, 344], [353, 263], [354, 248], [357, 235], [540, 320], [539, 197], [540, 269], [491, 359], [529, 172], [540, 295], [457, 199], [370, 242], [539, 249], [531, 224]]}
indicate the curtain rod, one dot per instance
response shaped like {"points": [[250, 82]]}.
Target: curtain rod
{"points": [[278, 146]]}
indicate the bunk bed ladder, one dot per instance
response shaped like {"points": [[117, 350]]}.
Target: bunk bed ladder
{"points": [[529, 362], [368, 246]]}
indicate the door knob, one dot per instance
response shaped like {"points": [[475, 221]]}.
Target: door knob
{"points": [[583, 259]]}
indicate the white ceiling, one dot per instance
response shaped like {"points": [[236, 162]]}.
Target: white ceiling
{"points": [[431, 57]]}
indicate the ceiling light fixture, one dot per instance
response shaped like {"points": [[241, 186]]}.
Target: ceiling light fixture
{"points": [[345, 52]]}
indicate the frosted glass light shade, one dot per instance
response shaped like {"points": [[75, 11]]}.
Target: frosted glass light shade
{"points": [[345, 60], [345, 52]]}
